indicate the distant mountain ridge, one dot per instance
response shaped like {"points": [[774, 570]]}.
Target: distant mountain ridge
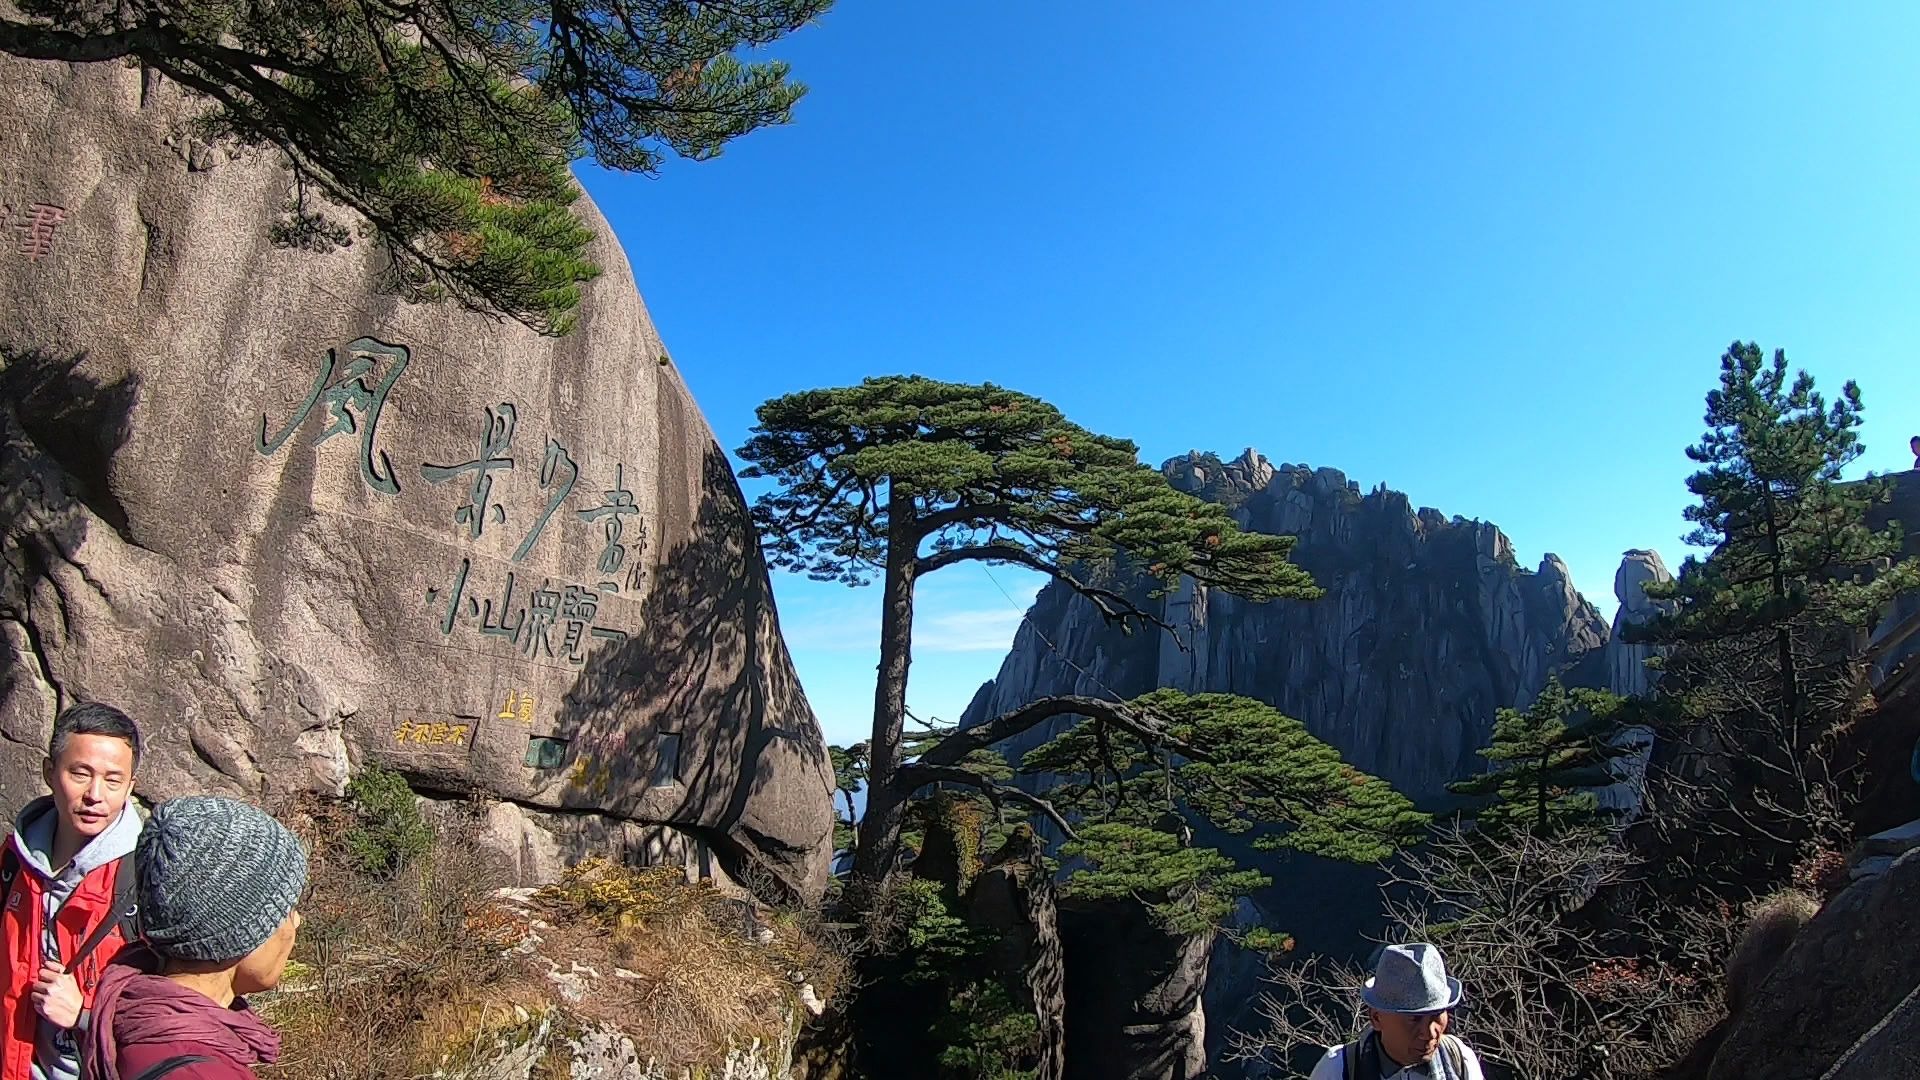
{"points": [[1428, 626]]}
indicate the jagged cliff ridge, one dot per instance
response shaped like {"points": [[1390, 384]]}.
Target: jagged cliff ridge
{"points": [[1428, 626]]}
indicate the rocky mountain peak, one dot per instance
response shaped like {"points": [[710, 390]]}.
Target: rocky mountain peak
{"points": [[1428, 627]]}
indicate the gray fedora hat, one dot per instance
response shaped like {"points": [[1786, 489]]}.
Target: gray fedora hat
{"points": [[1411, 979]]}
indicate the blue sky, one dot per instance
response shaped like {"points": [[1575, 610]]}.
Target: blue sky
{"points": [[1488, 254]]}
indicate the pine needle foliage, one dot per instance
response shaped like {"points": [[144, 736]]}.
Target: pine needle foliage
{"points": [[903, 476], [977, 472], [1234, 763], [1767, 666], [1546, 760], [849, 774], [1786, 534], [447, 127]]}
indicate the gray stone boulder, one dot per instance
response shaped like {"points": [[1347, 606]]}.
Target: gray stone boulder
{"points": [[1847, 971], [294, 525], [1133, 994], [1627, 671]]}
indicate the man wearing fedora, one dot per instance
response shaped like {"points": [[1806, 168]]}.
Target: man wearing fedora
{"points": [[1410, 1001]]}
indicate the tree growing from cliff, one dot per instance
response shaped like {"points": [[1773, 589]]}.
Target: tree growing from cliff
{"points": [[849, 773], [901, 477], [447, 126], [1546, 758], [1133, 775], [1767, 630]]}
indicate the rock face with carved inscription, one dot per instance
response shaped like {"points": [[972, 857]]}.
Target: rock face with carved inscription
{"points": [[293, 525]]}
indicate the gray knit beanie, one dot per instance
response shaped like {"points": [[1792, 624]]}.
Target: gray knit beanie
{"points": [[217, 878]]}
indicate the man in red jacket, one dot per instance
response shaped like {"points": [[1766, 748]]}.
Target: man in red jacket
{"points": [[65, 880]]}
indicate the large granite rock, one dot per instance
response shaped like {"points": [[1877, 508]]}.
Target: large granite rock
{"points": [[1628, 674], [1627, 671], [1014, 901], [1428, 626], [1854, 966], [1134, 1007], [293, 525]]}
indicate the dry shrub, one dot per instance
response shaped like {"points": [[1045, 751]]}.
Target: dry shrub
{"points": [[1547, 997], [396, 973], [413, 972], [1821, 873], [695, 967]]}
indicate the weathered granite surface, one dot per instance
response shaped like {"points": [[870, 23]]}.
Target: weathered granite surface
{"points": [[293, 525], [1627, 671], [1855, 965], [1429, 625], [1133, 995]]}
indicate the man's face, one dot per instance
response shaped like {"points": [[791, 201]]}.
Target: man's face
{"points": [[90, 780], [1410, 1038]]}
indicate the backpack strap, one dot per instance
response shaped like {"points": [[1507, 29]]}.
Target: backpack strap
{"points": [[1361, 1058], [171, 1064], [9, 872], [125, 913]]}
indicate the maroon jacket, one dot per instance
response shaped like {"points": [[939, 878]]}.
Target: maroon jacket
{"points": [[141, 1020]]}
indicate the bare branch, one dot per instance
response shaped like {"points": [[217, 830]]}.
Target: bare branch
{"points": [[957, 746], [915, 776], [1113, 606]]}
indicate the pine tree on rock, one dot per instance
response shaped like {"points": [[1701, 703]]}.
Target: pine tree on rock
{"points": [[903, 476], [1546, 760], [447, 127], [1238, 764], [849, 773], [1767, 630]]}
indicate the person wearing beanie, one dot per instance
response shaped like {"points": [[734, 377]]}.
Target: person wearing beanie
{"points": [[219, 884]]}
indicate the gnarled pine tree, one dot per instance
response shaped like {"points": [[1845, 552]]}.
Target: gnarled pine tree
{"points": [[1767, 630], [1546, 760], [1135, 773], [448, 126], [904, 476]]}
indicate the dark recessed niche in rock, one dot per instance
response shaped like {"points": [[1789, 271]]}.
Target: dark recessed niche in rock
{"points": [[666, 767], [546, 752]]}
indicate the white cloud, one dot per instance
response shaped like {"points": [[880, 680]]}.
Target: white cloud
{"points": [[989, 630], [953, 613]]}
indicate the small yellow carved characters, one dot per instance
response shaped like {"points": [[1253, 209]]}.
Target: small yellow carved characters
{"points": [[518, 707], [437, 733], [592, 776]]}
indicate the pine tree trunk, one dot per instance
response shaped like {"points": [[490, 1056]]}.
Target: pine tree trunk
{"points": [[1783, 634], [853, 819], [879, 834], [1540, 821]]}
